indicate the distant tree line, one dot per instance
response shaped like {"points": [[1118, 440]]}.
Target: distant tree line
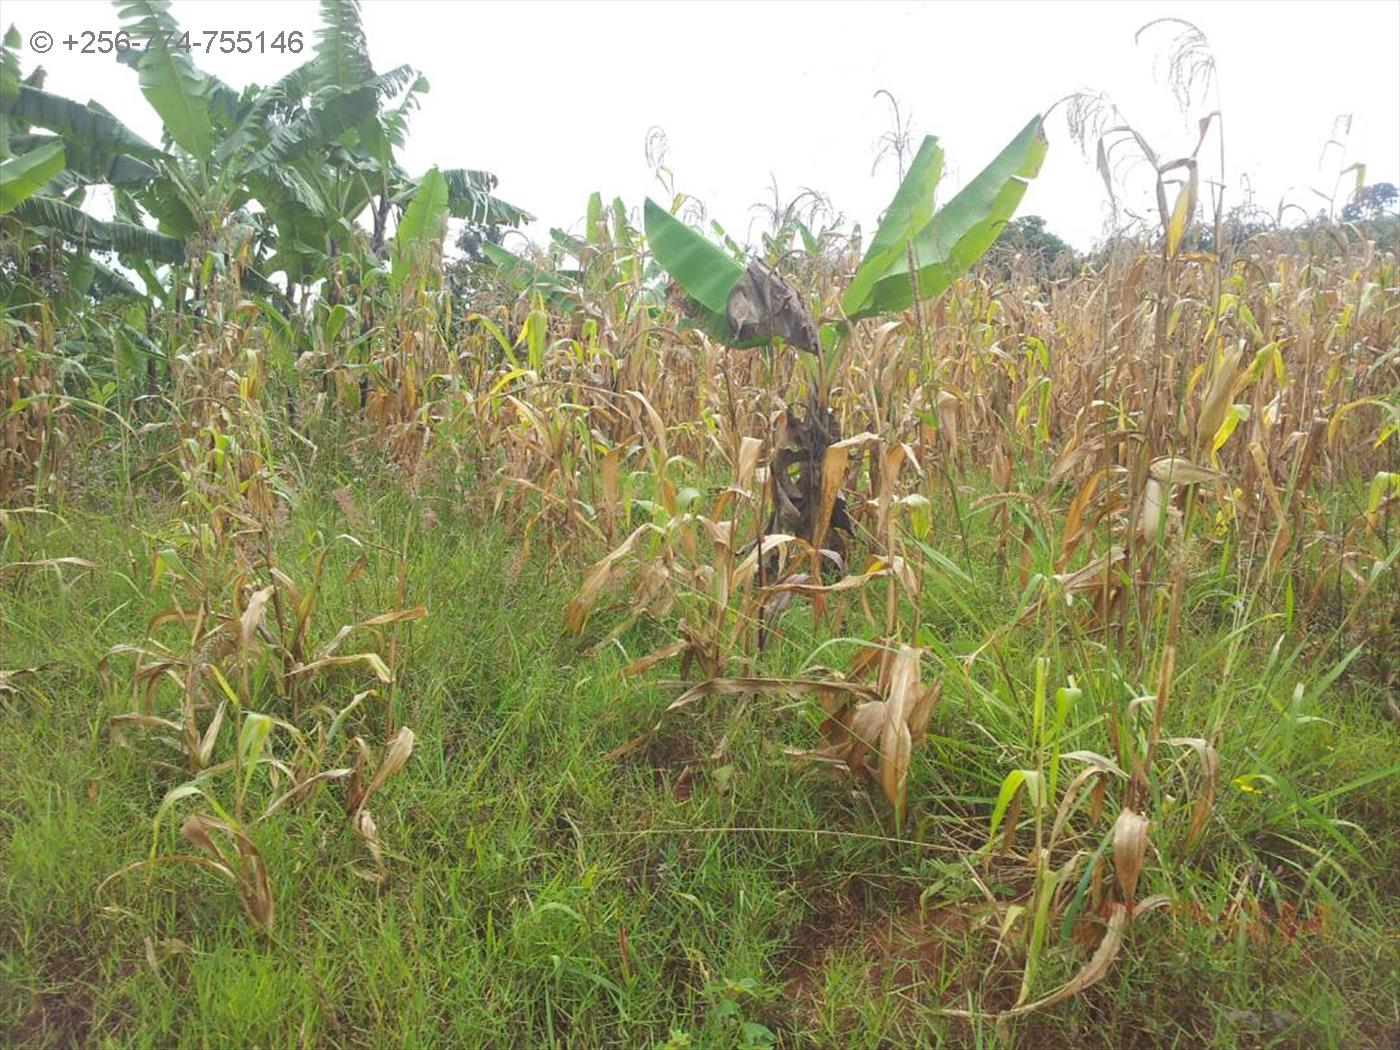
{"points": [[1027, 246]]}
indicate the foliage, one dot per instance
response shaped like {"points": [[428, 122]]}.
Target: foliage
{"points": [[264, 181], [1371, 202], [528, 670], [1027, 236], [915, 252]]}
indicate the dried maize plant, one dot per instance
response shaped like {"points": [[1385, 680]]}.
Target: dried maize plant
{"points": [[601, 284], [572, 460], [387, 356], [403, 368], [36, 421], [870, 729], [686, 562], [1087, 868], [253, 667], [1205, 341], [802, 493], [234, 655], [218, 359], [546, 450], [875, 735], [534, 412]]}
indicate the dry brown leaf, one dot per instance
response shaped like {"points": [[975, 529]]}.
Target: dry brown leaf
{"points": [[1091, 577], [919, 715], [949, 407], [373, 661], [897, 567], [597, 579], [1209, 781], [1178, 470], [745, 572], [1098, 965], [1215, 401], [658, 428], [365, 827], [1074, 529], [398, 616], [1129, 851], [253, 615], [81, 563], [649, 661], [741, 686], [1153, 512], [395, 757], [896, 742], [750, 449]]}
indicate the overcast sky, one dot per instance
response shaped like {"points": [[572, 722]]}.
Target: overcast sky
{"points": [[557, 98]]}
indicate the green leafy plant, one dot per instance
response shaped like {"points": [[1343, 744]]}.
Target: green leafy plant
{"points": [[916, 250]]}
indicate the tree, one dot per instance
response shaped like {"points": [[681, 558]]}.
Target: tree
{"points": [[472, 237], [1027, 236], [1237, 226], [1371, 202]]}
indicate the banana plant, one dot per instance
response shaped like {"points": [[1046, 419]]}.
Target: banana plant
{"points": [[52, 151], [362, 168], [917, 251], [276, 175], [272, 146]]}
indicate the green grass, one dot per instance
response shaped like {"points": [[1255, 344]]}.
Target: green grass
{"points": [[541, 894]]}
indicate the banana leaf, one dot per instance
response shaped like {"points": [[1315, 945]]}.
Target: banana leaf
{"points": [[423, 223], [75, 225], [316, 128], [175, 88], [706, 273], [89, 125], [961, 231], [909, 212], [23, 176], [470, 197], [90, 163]]}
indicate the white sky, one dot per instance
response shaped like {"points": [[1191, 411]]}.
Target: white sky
{"points": [[556, 98]]}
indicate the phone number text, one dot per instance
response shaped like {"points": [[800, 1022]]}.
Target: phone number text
{"points": [[209, 41]]}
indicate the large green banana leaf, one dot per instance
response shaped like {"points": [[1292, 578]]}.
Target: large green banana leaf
{"points": [[423, 223], [961, 231], [175, 88], [90, 164], [318, 127], [342, 53], [470, 197], [908, 213], [98, 146], [23, 176], [76, 225], [707, 273]]}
